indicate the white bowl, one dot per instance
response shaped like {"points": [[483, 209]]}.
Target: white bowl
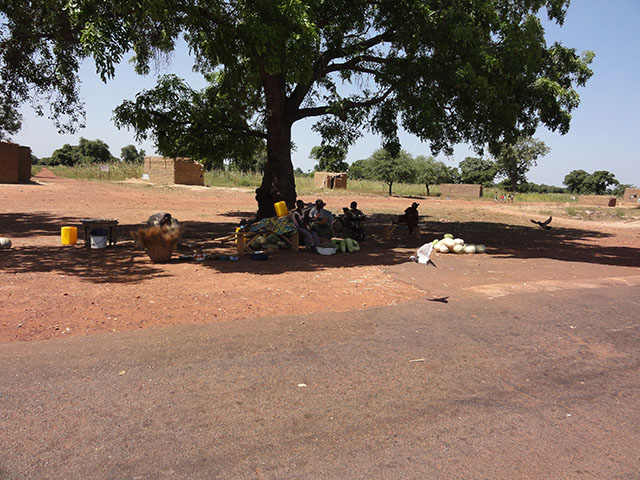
{"points": [[326, 250]]}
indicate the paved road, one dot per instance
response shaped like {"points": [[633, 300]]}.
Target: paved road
{"points": [[543, 386]]}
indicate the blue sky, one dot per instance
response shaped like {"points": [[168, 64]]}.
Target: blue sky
{"points": [[603, 130]]}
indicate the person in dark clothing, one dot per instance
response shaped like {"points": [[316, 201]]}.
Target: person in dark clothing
{"points": [[301, 221], [411, 217]]}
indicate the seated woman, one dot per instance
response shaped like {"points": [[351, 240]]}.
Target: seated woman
{"points": [[301, 222], [322, 221]]}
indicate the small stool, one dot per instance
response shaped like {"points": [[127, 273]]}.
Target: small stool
{"points": [[111, 225]]}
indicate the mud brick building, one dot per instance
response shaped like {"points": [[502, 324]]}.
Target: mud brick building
{"points": [[329, 180], [15, 163], [631, 195], [597, 200], [170, 171], [460, 190]]}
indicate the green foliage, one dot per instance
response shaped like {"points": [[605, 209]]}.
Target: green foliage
{"points": [[329, 158], [391, 169], [477, 171], [580, 181], [87, 151], [449, 72], [130, 154], [432, 172], [361, 170], [575, 181], [213, 126], [515, 159], [599, 181]]}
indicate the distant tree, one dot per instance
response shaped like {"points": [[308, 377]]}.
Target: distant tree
{"points": [[599, 180], [431, 172], [361, 170], [454, 173], [531, 187], [579, 181], [516, 159], [329, 158], [130, 154], [87, 151], [576, 181], [67, 155], [477, 171], [391, 169], [94, 151]]}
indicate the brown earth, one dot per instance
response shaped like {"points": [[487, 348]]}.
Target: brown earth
{"points": [[48, 290]]}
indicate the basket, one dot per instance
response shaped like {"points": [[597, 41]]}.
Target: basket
{"points": [[158, 241]]}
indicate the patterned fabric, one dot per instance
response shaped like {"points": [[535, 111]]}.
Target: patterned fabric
{"points": [[277, 225]]}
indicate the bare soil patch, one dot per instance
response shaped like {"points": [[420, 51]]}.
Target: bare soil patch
{"points": [[48, 290]]}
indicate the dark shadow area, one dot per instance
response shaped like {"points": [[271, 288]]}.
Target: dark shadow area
{"points": [[238, 214], [34, 224], [119, 264], [518, 241], [127, 263]]}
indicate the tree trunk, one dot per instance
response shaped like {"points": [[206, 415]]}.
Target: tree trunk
{"points": [[427, 185], [390, 187], [278, 182]]}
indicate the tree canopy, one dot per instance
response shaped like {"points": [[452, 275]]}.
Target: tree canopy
{"points": [[432, 172], [87, 151], [465, 71], [477, 171], [580, 181], [130, 154], [329, 158], [515, 159]]}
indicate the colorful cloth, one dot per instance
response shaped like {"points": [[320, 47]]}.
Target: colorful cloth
{"points": [[277, 225]]}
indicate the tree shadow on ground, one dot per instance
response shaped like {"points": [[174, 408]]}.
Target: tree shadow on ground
{"points": [[118, 264], [126, 263], [523, 241]]}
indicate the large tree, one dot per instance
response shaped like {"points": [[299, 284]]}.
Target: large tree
{"points": [[466, 70], [576, 180], [514, 160], [393, 168], [432, 172], [477, 171]]}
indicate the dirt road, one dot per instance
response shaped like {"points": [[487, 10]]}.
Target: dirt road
{"points": [[524, 386], [521, 363]]}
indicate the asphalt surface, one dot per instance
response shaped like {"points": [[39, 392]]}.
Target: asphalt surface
{"points": [[527, 385]]}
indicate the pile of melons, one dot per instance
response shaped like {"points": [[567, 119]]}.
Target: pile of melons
{"points": [[456, 245]]}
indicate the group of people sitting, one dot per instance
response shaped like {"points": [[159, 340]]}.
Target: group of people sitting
{"points": [[315, 223]]}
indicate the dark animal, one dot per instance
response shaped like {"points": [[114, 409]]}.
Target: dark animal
{"points": [[544, 224], [163, 220]]}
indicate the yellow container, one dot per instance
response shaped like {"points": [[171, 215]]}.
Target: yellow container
{"points": [[69, 235], [281, 209]]}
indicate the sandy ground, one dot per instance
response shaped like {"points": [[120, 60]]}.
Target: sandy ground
{"points": [[48, 290]]}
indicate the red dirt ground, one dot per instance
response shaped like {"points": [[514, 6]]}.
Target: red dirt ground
{"points": [[48, 290]]}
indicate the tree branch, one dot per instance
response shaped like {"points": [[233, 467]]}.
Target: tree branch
{"points": [[348, 105], [320, 66]]}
